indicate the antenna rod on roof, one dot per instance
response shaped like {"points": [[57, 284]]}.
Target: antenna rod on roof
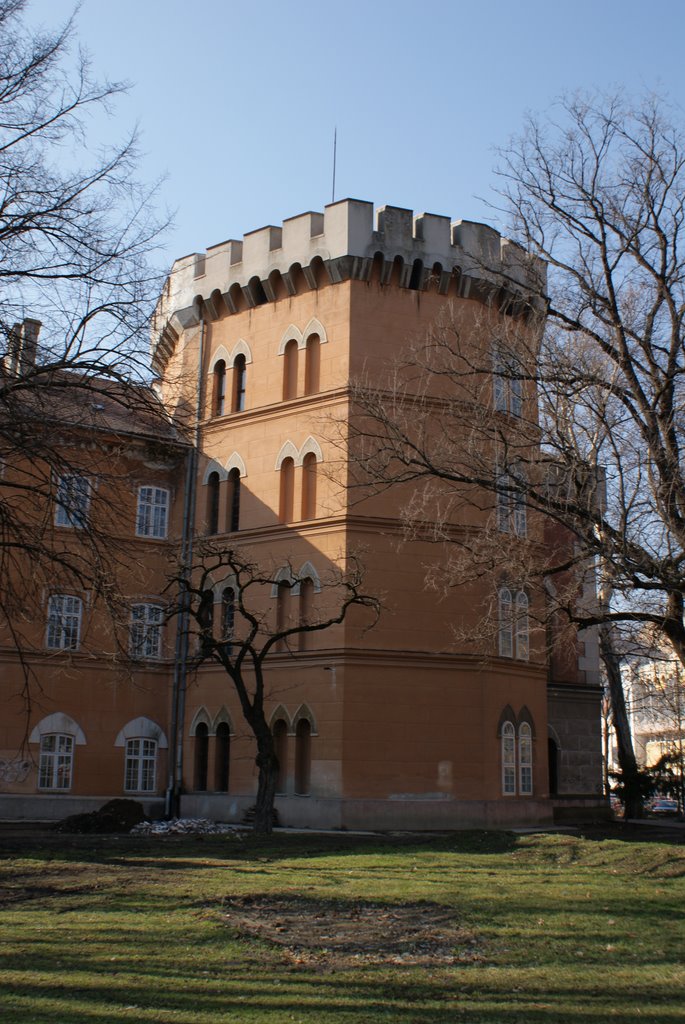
{"points": [[335, 148]]}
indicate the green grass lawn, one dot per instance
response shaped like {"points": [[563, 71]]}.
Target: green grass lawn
{"points": [[531, 928]]}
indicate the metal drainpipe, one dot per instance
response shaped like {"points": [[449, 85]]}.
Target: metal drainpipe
{"points": [[178, 702]]}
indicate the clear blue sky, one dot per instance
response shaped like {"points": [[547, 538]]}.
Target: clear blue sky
{"points": [[237, 101]]}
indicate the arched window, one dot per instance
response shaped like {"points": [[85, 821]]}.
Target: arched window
{"points": [[290, 371], [522, 645], [525, 760], [239, 374], [233, 501], [219, 396], [141, 764], [507, 381], [312, 364], [282, 595], [309, 486], [227, 618], [56, 761], [553, 764], [287, 491], [303, 757], [213, 492], [201, 756], [506, 628], [306, 603], [222, 757], [280, 734], [508, 759]]}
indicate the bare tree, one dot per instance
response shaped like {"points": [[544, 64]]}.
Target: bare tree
{"points": [[564, 403], [76, 235], [246, 633]]}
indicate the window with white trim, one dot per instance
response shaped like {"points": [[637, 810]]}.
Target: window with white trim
{"points": [[145, 632], [56, 761], [511, 502], [72, 500], [507, 382], [508, 759], [513, 625], [153, 512], [525, 753], [141, 764], [64, 622]]}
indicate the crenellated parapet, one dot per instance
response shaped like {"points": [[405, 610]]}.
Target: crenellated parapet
{"points": [[347, 241]]}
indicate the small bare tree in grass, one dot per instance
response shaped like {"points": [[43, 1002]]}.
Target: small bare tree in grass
{"points": [[250, 628]]}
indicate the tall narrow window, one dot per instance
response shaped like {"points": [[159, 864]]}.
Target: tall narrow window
{"points": [[522, 645], [511, 502], [73, 500], [312, 365], [201, 756], [507, 382], [153, 510], [227, 618], [213, 493], [234, 500], [141, 760], [508, 759], [56, 761], [282, 595], [239, 374], [280, 734], [306, 603], [303, 757], [520, 517], [506, 630], [290, 356], [219, 397], [287, 491], [309, 486], [525, 760], [503, 502], [222, 757], [145, 631], [64, 622]]}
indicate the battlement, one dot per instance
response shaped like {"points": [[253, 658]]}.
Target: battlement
{"points": [[345, 241]]}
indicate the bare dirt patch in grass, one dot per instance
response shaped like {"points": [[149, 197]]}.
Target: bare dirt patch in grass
{"points": [[342, 933]]}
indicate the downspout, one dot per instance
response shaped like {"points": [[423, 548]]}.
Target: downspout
{"points": [[180, 678]]}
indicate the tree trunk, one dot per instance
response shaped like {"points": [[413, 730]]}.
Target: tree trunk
{"points": [[268, 766], [624, 740]]}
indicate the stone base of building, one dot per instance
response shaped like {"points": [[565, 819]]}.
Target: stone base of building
{"points": [[377, 815], [41, 807], [578, 809]]}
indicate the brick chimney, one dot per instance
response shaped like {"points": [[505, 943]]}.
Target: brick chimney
{"points": [[23, 344]]}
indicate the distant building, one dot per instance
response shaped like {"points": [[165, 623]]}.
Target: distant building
{"points": [[255, 344]]}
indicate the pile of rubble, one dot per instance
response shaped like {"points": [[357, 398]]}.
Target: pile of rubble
{"points": [[183, 827]]}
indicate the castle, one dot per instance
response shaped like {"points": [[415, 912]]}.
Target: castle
{"points": [[255, 343]]}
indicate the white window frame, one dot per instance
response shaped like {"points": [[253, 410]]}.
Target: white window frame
{"points": [[508, 759], [525, 755], [140, 765], [56, 764], [65, 612], [506, 623], [152, 514], [521, 626], [145, 631], [507, 386], [513, 628], [72, 501]]}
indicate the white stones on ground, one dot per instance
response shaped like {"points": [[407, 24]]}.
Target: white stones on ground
{"points": [[183, 827]]}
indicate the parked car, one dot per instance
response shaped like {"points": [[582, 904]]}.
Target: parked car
{"points": [[664, 805]]}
